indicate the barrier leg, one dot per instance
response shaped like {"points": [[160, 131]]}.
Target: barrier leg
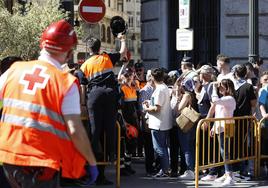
{"points": [[197, 157], [257, 167], [118, 155]]}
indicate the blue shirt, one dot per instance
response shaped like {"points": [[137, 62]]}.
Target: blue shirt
{"points": [[263, 100], [145, 94]]}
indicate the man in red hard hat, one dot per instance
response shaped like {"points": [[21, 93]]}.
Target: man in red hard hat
{"points": [[41, 131]]}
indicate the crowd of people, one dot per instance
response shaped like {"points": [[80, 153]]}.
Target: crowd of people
{"points": [[43, 142], [214, 91]]}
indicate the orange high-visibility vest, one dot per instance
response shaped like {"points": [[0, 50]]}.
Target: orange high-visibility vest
{"points": [[97, 65], [32, 129], [130, 93]]}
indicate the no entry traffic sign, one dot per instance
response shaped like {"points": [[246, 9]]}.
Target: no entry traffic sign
{"points": [[91, 11]]}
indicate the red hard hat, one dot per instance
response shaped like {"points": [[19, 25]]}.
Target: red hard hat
{"points": [[131, 131], [59, 36]]}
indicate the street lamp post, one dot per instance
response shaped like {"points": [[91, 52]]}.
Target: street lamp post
{"points": [[253, 31]]}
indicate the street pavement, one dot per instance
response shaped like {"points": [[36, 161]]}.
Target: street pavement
{"points": [[139, 180]]}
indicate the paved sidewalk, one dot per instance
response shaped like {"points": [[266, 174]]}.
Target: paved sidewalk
{"points": [[139, 180]]}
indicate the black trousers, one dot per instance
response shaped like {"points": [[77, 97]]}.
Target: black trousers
{"points": [[102, 109], [129, 112], [149, 152], [28, 177], [3, 180]]}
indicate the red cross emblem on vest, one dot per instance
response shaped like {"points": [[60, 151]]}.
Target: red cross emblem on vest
{"points": [[33, 79]]}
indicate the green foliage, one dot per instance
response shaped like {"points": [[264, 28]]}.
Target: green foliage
{"points": [[20, 34]]}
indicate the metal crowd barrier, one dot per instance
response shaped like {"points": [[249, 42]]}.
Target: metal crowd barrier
{"points": [[260, 154], [240, 138]]}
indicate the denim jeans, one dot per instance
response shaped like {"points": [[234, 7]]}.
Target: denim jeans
{"points": [[228, 167], [187, 141], [160, 139]]}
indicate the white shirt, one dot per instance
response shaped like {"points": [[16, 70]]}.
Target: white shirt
{"points": [[224, 108], [71, 101], [161, 120], [225, 76]]}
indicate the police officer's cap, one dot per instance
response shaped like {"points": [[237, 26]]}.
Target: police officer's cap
{"points": [[118, 25], [186, 60]]}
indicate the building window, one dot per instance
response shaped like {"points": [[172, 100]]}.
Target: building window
{"points": [[137, 21], [128, 0], [108, 35], [103, 33], [131, 45], [130, 21], [120, 7]]}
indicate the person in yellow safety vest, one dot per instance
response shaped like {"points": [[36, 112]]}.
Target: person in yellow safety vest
{"points": [[102, 99], [41, 132]]}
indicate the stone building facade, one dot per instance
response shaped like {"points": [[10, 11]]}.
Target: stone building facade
{"points": [[133, 8], [234, 29]]}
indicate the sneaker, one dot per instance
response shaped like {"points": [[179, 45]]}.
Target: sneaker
{"points": [[220, 179], [239, 178], [209, 177], [161, 175], [188, 175], [228, 181]]}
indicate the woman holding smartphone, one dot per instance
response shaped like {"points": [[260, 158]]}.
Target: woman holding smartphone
{"points": [[224, 108]]}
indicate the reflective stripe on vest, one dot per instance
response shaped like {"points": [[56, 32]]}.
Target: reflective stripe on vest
{"points": [[31, 123], [27, 106], [99, 73], [97, 65], [130, 99]]}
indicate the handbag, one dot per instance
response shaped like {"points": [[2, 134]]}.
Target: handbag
{"points": [[187, 118]]}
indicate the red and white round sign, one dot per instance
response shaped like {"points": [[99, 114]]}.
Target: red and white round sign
{"points": [[91, 11]]}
